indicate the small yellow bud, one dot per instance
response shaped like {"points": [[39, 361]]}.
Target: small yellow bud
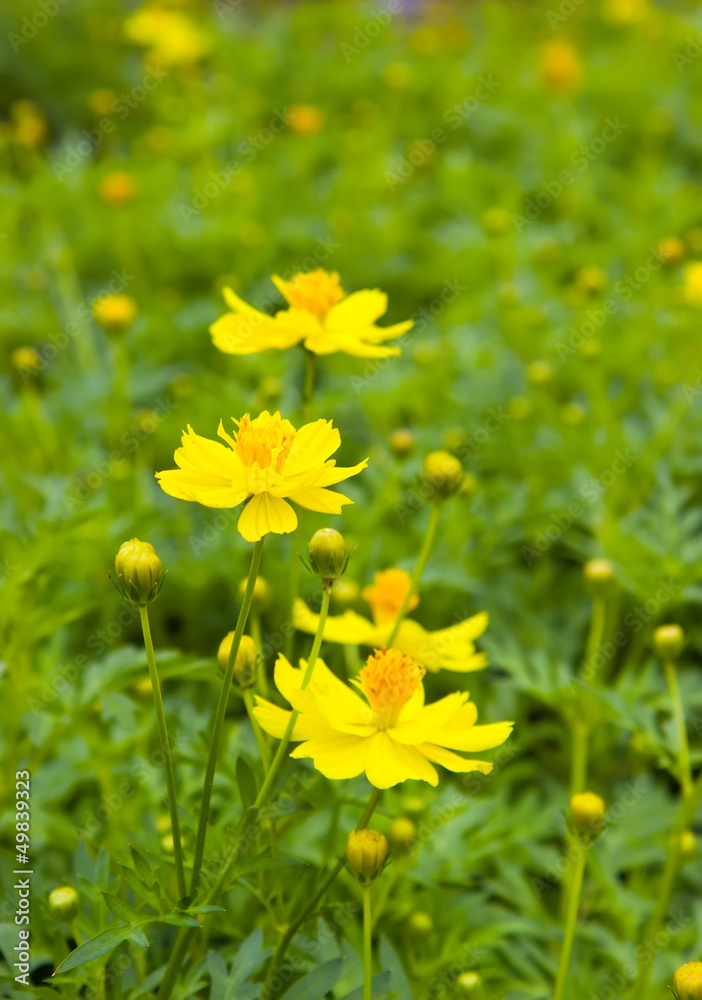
{"points": [[144, 689], [64, 904], [117, 188], [687, 981], [591, 280], [468, 984], [402, 442], [669, 641], [246, 659], [414, 805], [442, 474], [599, 573], [167, 843], [163, 824], [139, 571], [305, 119], [345, 594], [27, 359], [115, 312], [421, 924], [539, 373], [671, 249], [261, 594], [327, 552], [587, 812], [366, 851], [687, 842], [402, 832]]}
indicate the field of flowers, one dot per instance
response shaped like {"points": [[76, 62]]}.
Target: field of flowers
{"points": [[351, 508]]}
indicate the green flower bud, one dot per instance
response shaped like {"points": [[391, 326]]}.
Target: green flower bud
{"points": [[327, 552], [468, 984], [139, 572], [587, 812], [64, 904], [421, 924], [261, 594], [402, 832], [345, 594], [687, 981], [402, 442], [669, 641], [246, 664], [366, 851], [599, 573], [540, 373], [442, 475]]}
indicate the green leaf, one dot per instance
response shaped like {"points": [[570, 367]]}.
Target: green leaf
{"points": [[122, 910], [143, 868], [391, 961], [95, 947], [180, 920], [247, 782], [318, 983], [266, 864], [138, 887], [138, 937]]}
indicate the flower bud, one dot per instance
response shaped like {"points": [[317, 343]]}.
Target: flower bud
{"points": [[64, 904], [115, 312], [139, 571], [468, 984], [587, 812], [442, 474], [421, 924], [402, 832], [27, 359], [599, 573], [366, 851], [687, 981], [167, 843], [669, 641], [402, 442], [414, 805], [246, 659], [328, 558], [687, 842], [539, 373], [261, 594]]}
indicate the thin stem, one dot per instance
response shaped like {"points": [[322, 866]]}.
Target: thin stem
{"points": [[578, 765], [283, 944], [367, 945], [260, 738], [166, 749], [598, 620], [571, 923], [680, 727], [220, 713], [308, 385], [419, 568]]}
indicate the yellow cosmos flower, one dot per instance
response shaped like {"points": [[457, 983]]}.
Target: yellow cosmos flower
{"points": [[320, 315], [262, 463], [171, 37], [448, 649], [388, 733]]}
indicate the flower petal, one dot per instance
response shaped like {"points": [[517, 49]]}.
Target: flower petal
{"points": [[358, 310], [313, 444], [428, 725], [337, 755], [348, 628], [274, 720], [452, 761], [265, 513], [388, 763], [476, 738], [321, 500]]}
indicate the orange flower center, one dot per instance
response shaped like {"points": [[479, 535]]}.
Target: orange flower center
{"points": [[387, 593], [388, 680], [265, 441], [314, 291]]}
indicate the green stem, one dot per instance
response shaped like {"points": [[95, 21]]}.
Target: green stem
{"points": [[220, 713], [419, 568], [680, 727], [279, 954], [571, 923], [260, 738], [578, 765], [598, 620], [166, 749], [367, 945]]}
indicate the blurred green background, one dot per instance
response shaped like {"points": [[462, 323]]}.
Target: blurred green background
{"points": [[523, 180]]}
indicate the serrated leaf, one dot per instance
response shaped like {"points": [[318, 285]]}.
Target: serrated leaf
{"points": [[95, 947], [317, 983]]}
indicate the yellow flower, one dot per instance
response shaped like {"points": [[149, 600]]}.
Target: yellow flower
{"points": [[117, 188], [692, 289], [115, 312], [305, 119], [321, 316], [171, 37], [561, 68], [450, 648], [389, 733], [262, 463]]}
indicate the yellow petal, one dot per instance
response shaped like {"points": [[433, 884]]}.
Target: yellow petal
{"points": [[321, 342], [337, 755], [265, 513], [349, 628], [313, 444], [428, 725], [331, 473], [323, 501], [452, 761], [274, 720], [358, 310], [388, 763], [476, 738]]}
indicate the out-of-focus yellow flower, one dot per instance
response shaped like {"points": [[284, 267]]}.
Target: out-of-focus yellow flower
{"points": [[115, 312], [264, 462], [305, 119], [321, 316], [26, 358], [117, 188], [402, 442], [591, 280], [561, 68], [587, 811], [448, 649], [625, 11], [539, 373], [692, 288], [671, 249], [171, 37], [388, 733], [31, 126]]}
